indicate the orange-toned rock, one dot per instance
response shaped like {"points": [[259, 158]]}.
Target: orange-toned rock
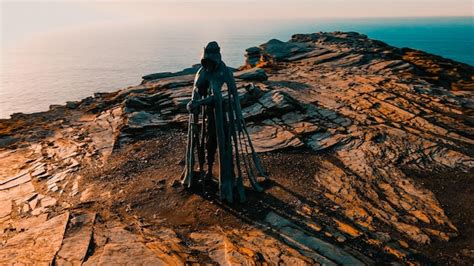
{"points": [[38, 245]]}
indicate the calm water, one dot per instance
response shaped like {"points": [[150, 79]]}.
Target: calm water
{"points": [[70, 65]]}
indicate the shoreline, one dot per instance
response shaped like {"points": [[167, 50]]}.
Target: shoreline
{"points": [[36, 81], [177, 73]]}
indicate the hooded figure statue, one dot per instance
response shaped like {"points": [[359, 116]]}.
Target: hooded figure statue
{"points": [[216, 124]]}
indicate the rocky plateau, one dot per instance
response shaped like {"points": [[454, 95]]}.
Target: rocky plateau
{"points": [[369, 150]]}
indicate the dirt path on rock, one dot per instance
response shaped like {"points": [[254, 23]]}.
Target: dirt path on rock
{"points": [[455, 191]]}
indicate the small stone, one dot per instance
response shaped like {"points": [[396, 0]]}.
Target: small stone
{"points": [[39, 172], [25, 208], [75, 188], [48, 201], [74, 163], [86, 195], [72, 105], [33, 203], [38, 211], [403, 244], [468, 253]]}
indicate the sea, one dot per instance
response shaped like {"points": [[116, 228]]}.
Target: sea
{"points": [[72, 64]]}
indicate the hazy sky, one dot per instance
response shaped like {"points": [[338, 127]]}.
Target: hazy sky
{"points": [[21, 19]]}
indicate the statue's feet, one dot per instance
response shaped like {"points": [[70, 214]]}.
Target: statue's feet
{"points": [[205, 177]]}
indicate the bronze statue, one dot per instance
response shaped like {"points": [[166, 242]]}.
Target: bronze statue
{"points": [[217, 124]]}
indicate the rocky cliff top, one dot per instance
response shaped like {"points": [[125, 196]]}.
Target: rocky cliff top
{"points": [[369, 149]]}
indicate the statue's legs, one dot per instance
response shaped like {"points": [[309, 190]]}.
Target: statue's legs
{"points": [[211, 140], [226, 179]]}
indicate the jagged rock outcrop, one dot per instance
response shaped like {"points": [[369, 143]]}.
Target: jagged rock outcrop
{"points": [[255, 74], [366, 115]]}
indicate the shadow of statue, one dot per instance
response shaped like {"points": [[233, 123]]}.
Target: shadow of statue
{"points": [[283, 221]]}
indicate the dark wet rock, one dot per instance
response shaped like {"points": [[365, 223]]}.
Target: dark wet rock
{"points": [[53, 107], [253, 50], [87, 101], [135, 89], [252, 56], [72, 105], [6, 141], [144, 119], [249, 94], [134, 102], [171, 82], [253, 74], [161, 75], [278, 50]]}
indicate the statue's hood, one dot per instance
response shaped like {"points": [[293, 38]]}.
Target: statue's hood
{"points": [[211, 57]]}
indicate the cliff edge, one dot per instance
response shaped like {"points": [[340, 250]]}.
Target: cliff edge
{"points": [[369, 150]]}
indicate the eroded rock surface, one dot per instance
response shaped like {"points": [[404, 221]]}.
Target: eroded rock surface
{"points": [[369, 114]]}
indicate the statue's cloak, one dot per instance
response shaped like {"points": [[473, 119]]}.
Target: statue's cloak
{"points": [[236, 155]]}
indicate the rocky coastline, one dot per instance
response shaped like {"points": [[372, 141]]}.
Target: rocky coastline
{"points": [[369, 150]]}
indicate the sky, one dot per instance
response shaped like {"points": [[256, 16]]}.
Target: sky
{"points": [[22, 19]]}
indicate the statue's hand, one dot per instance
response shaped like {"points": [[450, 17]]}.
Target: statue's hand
{"points": [[192, 106], [189, 106]]}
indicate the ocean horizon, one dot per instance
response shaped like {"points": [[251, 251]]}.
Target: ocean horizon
{"points": [[71, 64]]}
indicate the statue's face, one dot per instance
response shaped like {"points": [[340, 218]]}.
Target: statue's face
{"points": [[209, 65], [211, 57]]}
